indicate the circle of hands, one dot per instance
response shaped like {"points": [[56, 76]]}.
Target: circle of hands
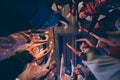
{"points": [[35, 43]]}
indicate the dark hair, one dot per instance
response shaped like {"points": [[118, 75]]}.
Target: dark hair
{"points": [[83, 56]]}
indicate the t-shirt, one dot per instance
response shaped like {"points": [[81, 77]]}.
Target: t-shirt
{"points": [[104, 67], [115, 51]]}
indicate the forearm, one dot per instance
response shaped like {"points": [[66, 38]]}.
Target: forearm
{"points": [[86, 40], [74, 50], [72, 69], [110, 43], [89, 43], [62, 67], [13, 43]]}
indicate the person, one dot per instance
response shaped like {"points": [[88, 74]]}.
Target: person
{"points": [[95, 8], [63, 75], [99, 64], [16, 42], [11, 67], [75, 73], [53, 75], [34, 71], [73, 5], [84, 70], [114, 36], [111, 47]]}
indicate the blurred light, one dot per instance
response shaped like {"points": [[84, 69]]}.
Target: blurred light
{"points": [[51, 42]]}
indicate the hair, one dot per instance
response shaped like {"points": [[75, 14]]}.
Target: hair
{"points": [[74, 76], [83, 56]]}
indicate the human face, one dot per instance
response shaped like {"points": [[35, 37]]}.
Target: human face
{"points": [[76, 71], [82, 15]]}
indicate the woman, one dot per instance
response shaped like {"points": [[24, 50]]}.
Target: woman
{"points": [[104, 67], [112, 48]]}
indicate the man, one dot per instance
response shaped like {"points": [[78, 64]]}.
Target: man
{"points": [[104, 67]]}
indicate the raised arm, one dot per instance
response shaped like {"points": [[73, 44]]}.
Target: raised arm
{"points": [[72, 66], [62, 72], [110, 43], [65, 25], [87, 41], [74, 50]]}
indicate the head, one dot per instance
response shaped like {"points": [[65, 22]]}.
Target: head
{"points": [[83, 56], [83, 14], [66, 70], [76, 71], [83, 46]]}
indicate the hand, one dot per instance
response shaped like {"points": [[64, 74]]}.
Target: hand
{"points": [[65, 28], [68, 15], [67, 44]]}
